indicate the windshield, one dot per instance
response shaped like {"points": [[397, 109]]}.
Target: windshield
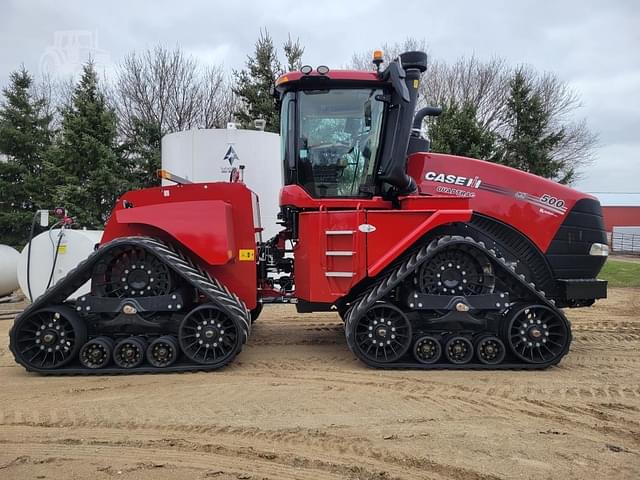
{"points": [[338, 139]]}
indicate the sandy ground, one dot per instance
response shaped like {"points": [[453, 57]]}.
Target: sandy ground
{"points": [[296, 404]]}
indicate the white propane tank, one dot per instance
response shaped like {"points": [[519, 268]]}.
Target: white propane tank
{"points": [[210, 156], [75, 246], [8, 270]]}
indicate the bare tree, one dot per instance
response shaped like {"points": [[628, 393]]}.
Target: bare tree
{"points": [[579, 142], [483, 86], [170, 89], [218, 101], [362, 60], [57, 94], [469, 81]]}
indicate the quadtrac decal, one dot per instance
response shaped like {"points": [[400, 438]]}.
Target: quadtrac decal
{"points": [[547, 204], [456, 181]]}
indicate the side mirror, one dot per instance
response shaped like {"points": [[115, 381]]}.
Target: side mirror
{"points": [[396, 74]]}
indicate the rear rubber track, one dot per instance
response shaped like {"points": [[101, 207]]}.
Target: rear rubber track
{"points": [[191, 273]]}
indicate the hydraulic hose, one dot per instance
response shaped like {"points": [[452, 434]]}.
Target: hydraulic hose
{"points": [[55, 255]]}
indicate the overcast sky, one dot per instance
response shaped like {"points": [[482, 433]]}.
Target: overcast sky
{"points": [[592, 45]]}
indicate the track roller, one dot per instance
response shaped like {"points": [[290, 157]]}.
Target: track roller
{"points": [[490, 350], [382, 334], [48, 338], [458, 350], [207, 335], [427, 349], [96, 353], [129, 352], [163, 351]]}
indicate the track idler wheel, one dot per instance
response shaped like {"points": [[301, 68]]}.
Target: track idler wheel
{"points": [[490, 350], [458, 350], [48, 338], [382, 334], [129, 352], [96, 353], [163, 351], [427, 349], [538, 334], [207, 335]]}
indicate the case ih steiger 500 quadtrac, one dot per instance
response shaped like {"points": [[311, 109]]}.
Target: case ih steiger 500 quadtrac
{"points": [[431, 260]]}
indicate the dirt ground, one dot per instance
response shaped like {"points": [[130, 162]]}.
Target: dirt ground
{"points": [[296, 404]]}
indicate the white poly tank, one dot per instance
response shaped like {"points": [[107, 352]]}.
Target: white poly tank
{"points": [[211, 155], [75, 246], [8, 270]]}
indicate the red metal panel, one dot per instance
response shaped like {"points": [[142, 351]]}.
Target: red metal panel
{"points": [[297, 196], [354, 75], [533, 205], [620, 217], [330, 256], [207, 219], [396, 230], [205, 226]]}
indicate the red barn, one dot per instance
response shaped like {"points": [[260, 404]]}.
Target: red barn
{"points": [[615, 216]]}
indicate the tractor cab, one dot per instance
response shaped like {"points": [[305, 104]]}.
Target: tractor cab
{"points": [[334, 140], [345, 133]]}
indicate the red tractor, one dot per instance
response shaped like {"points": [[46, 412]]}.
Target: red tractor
{"points": [[431, 260]]}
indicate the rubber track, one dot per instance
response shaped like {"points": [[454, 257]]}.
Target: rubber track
{"points": [[397, 275], [180, 263]]}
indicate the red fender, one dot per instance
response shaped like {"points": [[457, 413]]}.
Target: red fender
{"points": [[396, 240], [205, 226]]}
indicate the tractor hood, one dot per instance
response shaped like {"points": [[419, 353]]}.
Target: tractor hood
{"points": [[534, 205]]}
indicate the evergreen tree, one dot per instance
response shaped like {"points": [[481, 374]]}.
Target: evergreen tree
{"points": [[293, 51], [531, 140], [85, 164], [25, 137], [254, 84], [142, 149], [457, 131]]}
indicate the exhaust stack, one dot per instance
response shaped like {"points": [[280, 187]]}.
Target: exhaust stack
{"points": [[404, 74]]}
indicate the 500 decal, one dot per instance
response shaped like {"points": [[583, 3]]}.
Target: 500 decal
{"points": [[553, 201]]}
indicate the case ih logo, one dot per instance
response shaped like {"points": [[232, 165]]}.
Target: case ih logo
{"points": [[453, 179]]}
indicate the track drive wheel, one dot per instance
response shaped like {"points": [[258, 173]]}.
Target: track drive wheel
{"points": [[129, 352], [48, 338], [207, 335], [538, 334], [427, 349], [132, 272], [96, 353], [381, 335], [458, 270]]}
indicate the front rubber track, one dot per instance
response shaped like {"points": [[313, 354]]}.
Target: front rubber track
{"points": [[407, 267]]}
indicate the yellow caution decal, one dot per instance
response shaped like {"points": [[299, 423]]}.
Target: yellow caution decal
{"points": [[416, 83], [246, 255], [62, 249]]}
